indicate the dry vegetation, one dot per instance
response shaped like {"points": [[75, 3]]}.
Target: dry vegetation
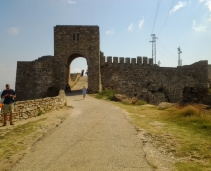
{"points": [[184, 132], [16, 140]]}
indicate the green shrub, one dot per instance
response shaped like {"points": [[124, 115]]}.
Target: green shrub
{"points": [[107, 93]]}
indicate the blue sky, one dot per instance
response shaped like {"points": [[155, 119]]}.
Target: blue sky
{"points": [[26, 29]]}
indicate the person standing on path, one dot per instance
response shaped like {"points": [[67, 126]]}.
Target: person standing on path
{"points": [[8, 104], [84, 92], [68, 88]]}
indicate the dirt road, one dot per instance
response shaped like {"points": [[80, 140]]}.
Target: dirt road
{"points": [[96, 137]]}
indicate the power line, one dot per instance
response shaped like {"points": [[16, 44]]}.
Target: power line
{"points": [[166, 48], [166, 17], [156, 14], [162, 30], [153, 35], [166, 55]]}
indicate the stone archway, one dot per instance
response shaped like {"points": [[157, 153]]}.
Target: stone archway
{"points": [[71, 42], [69, 59], [49, 73]]}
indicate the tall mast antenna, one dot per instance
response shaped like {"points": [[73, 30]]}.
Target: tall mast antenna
{"points": [[179, 60], [153, 47]]}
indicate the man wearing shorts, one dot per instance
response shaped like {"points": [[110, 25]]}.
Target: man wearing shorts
{"points": [[8, 104]]}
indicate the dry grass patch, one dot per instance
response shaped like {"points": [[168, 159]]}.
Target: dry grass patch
{"points": [[15, 141], [184, 132], [7, 142]]}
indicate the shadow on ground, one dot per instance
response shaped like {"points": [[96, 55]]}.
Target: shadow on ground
{"points": [[74, 93]]}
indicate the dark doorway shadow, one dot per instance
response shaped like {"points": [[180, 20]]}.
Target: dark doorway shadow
{"points": [[74, 93]]}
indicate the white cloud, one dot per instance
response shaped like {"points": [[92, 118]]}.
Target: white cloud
{"points": [[199, 28], [207, 17], [13, 31], [140, 24], [109, 32], [71, 2], [207, 3], [178, 6], [130, 27]]}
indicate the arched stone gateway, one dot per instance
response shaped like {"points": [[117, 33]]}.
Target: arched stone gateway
{"points": [[71, 42], [35, 79]]}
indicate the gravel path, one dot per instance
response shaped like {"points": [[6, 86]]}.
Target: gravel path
{"points": [[96, 137]]}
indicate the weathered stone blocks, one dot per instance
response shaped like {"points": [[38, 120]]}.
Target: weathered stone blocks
{"points": [[32, 108]]}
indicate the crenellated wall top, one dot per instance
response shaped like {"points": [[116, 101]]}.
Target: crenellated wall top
{"points": [[127, 60]]}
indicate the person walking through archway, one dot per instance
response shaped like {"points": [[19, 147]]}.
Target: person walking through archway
{"points": [[84, 91]]}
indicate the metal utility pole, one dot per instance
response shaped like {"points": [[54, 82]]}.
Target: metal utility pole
{"points": [[153, 47], [179, 60]]}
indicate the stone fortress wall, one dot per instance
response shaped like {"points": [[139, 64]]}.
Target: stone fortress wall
{"points": [[36, 77], [134, 77], [33, 79], [138, 77]]}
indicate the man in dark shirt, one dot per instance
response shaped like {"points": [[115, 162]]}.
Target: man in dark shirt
{"points": [[8, 104]]}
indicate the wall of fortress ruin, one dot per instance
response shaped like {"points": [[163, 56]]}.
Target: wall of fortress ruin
{"points": [[130, 76], [134, 77], [138, 77], [33, 79]]}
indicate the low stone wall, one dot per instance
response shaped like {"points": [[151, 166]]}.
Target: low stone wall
{"points": [[32, 108]]}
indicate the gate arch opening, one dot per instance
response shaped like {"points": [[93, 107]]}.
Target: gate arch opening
{"points": [[76, 70]]}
